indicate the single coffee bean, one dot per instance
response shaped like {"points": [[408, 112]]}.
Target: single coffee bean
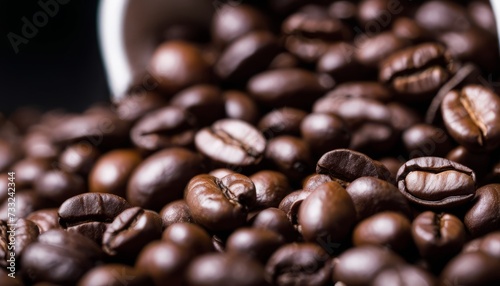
{"points": [[299, 264], [409, 29], [188, 68], [28, 171], [221, 172], [315, 180], [484, 214], [343, 10], [9, 154], [290, 206], [230, 199], [270, 188], [360, 265], [478, 162], [438, 235], [436, 182], [345, 166], [78, 158], [59, 186], [327, 214], [371, 12], [481, 14], [114, 275], [389, 229], [203, 101], [174, 212], [284, 61], [371, 196], [404, 275], [166, 127], [290, 155], [239, 105], [162, 177], [275, 220], [137, 104], [423, 140], [472, 117], [238, 270], [402, 116], [362, 89], [283, 121], [190, 236], [130, 231], [45, 219], [392, 164], [75, 215], [256, 243], [26, 202], [324, 132], [38, 144], [231, 142], [474, 268], [442, 16], [26, 232], [339, 62], [372, 50]]}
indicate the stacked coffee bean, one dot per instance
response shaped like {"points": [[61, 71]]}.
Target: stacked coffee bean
{"points": [[295, 143]]}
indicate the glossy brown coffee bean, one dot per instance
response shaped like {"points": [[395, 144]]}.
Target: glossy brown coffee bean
{"points": [[111, 172], [423, 140], [472, 117], [190, 236], [284, 60], [404, 275], [471, 269], [258, 244], [484, 214], [174, 212], [324, 132], [137, 104], [239, 105], [290, 155], [203, 101], [282, 121], [313, 181], [377, 14], [78, 158], [478, 162], [436, 182], [26, 202], [363, 89], [161, 178], [45, 219], [9, 154], [270, 188], [371, 51], [275, 220], [393, 165], [28, 171], [114, 275], [409, 29], [59, 186], [15, 238], [442, 16]]}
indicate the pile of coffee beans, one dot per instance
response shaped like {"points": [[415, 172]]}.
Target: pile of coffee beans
{"points": [[290, 142]]}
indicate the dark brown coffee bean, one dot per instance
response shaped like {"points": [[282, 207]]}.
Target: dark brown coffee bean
{"points": [[78, 158], [371, 196], [423, 140], [230, 199], [26, 233], [472, 117], [339, 62], [442, 16], [26, 202], [472, 269], [174, 212], [438, 235], [137, 104], [5, 235], [28, 171], [190, 236], [290, 155], [59, 186], [8, 154], [409, 29], [240, 106], [371, 51], [404, 275], [345, 166], [477, 162], [188, 68], [75, 215], [130, 231], [314, 181], [363, 89], [298, 264], [111, 172], [290, 206], [377, 14], [484, 214], [204, 101], [324, 132], [343, 10], [284, 61], [417, 72], [231, 142], [7, 280], [167, 127], [481, 14], [489, 244], [162, 177], [275, 220], [436, 182], [255, 243], [393, 165], [270, 188], [46, 219], [287, 87], [389, 229], [114, 275], [283, 121], [246, 56], [249, 272], [402, 116]]}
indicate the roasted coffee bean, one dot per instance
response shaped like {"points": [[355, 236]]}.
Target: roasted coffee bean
{"points": [[389, 229], [360, 265], [436, 182], [75, 215], [371, 195], [442, 16], [417, 72], [270, 188], [393, 165], [438, 235], [472, 117], [38, 144], [130, 231], [246, 56], [314, 181], [233, 21], [114, 275], [26, 202], [402, 116], [275, 220], [28, 171], [59, 186], [345, 166], [239, 105], [204, 101], [299, 264], [377, 14], [166, 127], [409, 29], [134, 106], [190, 236], [287, 87], [78, 158], [238, 270], [478, 162], [404, 275], [290, 155], [230, 199], [9, 153], [283, 121], [231, 142], [339, 61], [481, 14], [362, 89], [174, 212], [161, 178], [59, 257], [423, 140], [290, 206], [7, 280], [188, 68], [284, 61], [26, 232], [472, 269], [111, 172], [324, 132], [221, 172], [371, 51], [256, 243], [164, 261], [484, 214], [343, 10], [45, 219], [489, 244]]}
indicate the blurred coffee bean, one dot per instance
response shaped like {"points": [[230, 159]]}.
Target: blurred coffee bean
{"points": [[28, 170], [290, 205], [114, 275], [45, 219], [402, 116], [442, 16], [423, 140], [484, 214], [377, 15], [393, 165], [283, 121], [345, 11], [239, 105], [324, 132], [361, 89], [471, 269], [478, 162], [489, 244], [275, 220], [404, 275], [290, 155], [408, 29], [313, 181], [203, 101], [26, 202], [78, 158], [39, 144], [371, 51], [174, 212], [284, 60], [339, 61], [481, 14], [270, 188], [59, 186], [9, 153], [190, 236], [258, 244], [134, 106]]}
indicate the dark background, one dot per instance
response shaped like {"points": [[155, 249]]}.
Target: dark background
{"points": [[60, 66]]}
